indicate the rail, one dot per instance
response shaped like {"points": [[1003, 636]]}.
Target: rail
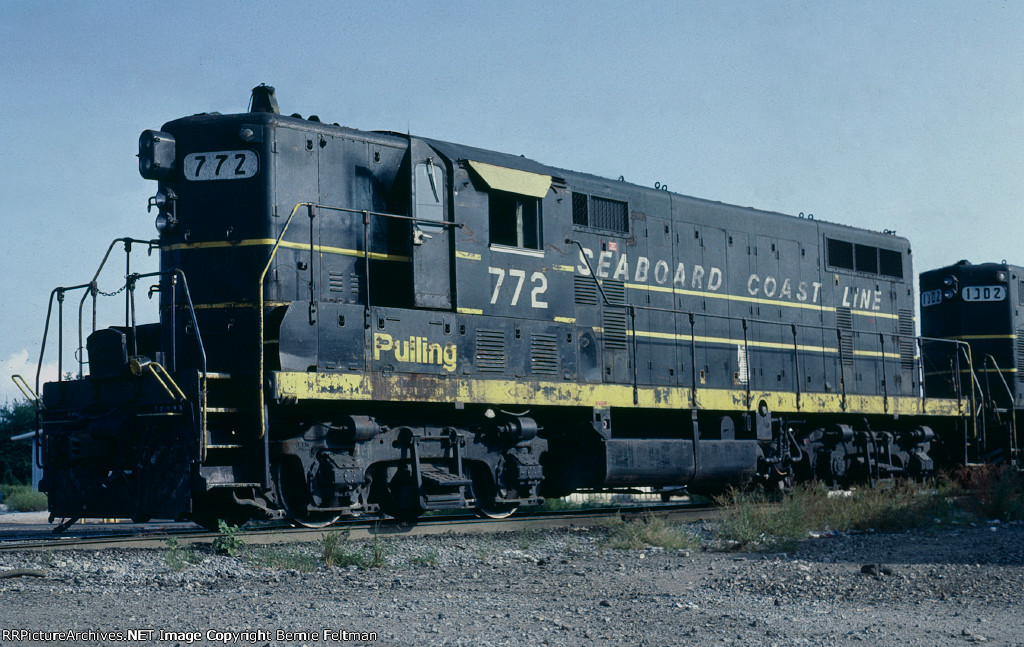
{"points": [[154, 535]]}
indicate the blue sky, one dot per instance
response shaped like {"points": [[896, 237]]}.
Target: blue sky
{"points": [[905, 116]]}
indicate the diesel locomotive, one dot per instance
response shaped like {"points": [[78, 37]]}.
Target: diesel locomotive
{"points": [[355, 322]]}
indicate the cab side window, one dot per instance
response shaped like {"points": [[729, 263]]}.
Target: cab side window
{"points": [[514, 220]]}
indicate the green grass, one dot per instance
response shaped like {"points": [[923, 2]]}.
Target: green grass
{"points": [[647, 531], [559, 505], [178, 557], [750, 520], [755, 520], [22, 498], [334, 551]]}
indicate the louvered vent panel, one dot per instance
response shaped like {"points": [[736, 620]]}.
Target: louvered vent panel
{"points": [[585, 290], [615, 329], [844, 321], [844, 318], [356, 287], [1020, 364], [907, 345], [1020, 352], [614, 291], [336, 281], [544, 354], [490, 351]]}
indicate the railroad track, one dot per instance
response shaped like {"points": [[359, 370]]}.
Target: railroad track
{"points": [[156, 536]]}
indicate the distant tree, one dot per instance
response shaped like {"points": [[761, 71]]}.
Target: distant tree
{"points": [[16, 456]]}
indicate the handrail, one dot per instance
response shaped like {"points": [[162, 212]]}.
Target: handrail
{"points": [[965, 349], [262, 347], [132, 279], [129, 286], [920, 340], [367, 254], [162, 377], [27, 391], [94, 290], [1011, 407], [60, 292]]}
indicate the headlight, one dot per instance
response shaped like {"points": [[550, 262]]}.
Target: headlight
{"points": [[156, 154]]}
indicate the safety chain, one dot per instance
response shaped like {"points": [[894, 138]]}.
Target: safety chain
{"points": [[108, 294]]}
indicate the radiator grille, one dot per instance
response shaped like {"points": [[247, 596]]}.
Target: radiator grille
{"points": [[579, 209], [866, 258], [840, 253], [890, 263], [609, 214]]}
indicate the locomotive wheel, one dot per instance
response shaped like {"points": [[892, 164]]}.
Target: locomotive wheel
{"points": [[486, 494], [496, 510], [315, 521], [295, 497]]}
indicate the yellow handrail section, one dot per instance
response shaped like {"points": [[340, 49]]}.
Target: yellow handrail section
{"points": [[27, 391], [162, 377]]}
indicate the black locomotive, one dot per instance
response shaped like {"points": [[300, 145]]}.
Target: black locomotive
{"points": [[981, 306], [359, 321]]}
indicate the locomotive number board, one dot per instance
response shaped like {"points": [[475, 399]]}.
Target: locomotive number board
{"points": [[984, 293], [221, 165]]}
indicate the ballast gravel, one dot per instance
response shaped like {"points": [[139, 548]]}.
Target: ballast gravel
{"points": [[957, 586]]}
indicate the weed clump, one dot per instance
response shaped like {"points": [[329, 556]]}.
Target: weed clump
{"points": [[227, 542], [333, 553], [649, 530], [179, 557], [754, 520], [995, 492]]}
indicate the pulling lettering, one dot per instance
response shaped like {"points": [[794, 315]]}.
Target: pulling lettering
{"points": [[415, 350]]}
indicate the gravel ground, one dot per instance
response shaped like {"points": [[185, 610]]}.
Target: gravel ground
{"points": [[956, 586]]}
